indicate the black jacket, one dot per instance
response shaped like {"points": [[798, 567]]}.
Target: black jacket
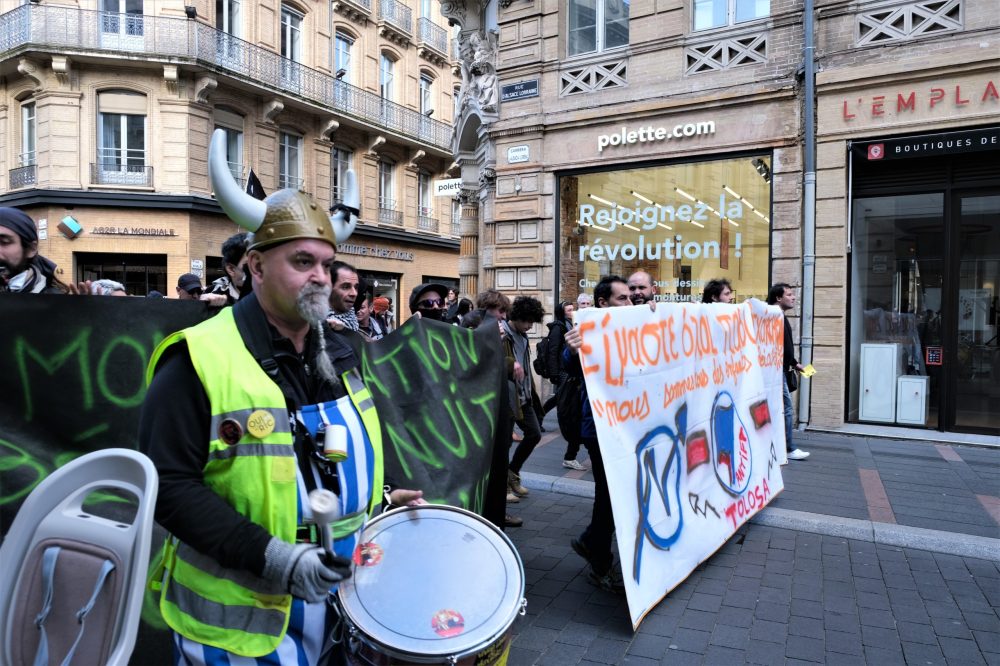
{"points": [[174, 433]]}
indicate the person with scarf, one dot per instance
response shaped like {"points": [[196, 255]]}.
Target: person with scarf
{"points": [[22, 269]]}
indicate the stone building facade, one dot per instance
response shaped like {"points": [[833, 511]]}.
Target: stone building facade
{"points": [[668, 136], [106, 111]]}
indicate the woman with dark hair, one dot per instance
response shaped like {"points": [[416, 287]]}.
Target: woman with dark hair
{"points": [[718, 290], [462, 310]]}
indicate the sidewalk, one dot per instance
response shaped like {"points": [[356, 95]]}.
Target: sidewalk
{"points": [[769, 596], [942, 497]]}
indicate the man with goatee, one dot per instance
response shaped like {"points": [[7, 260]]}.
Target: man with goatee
{"points": [[246, 414]]}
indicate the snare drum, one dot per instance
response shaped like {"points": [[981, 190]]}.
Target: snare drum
{"points": [[432, 584]]}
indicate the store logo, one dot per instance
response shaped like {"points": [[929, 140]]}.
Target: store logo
{"points": [[876, 151]]}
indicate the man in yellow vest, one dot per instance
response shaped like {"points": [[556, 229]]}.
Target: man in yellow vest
{"points": [[246, 414]]}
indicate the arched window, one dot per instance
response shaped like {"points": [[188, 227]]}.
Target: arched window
{"points": [[343, 43], [386, 76]]}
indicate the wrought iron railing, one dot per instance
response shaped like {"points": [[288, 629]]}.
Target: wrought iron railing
{"points": [[50, 27], [236, 169], [427, 223], [285, 181], [387, 214], [363, 4], [432, 35], [111, 173], [22, 176], [456, 228], [396, 14]]}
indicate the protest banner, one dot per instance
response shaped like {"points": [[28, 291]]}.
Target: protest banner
{"points": [[73, 369], [687, 400], [436, 389]]}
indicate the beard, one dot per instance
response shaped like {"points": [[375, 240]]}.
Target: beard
{"points": [[312, 303]]}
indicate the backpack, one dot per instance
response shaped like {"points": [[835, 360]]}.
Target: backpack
{"points": [[541, 353]]}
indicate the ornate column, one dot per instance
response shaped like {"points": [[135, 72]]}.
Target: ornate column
{"points": [[468, 260]]}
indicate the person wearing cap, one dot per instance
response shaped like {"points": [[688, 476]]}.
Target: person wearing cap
{"points": [[22, 269], [428, 300], [189, 287], [245, 415]]}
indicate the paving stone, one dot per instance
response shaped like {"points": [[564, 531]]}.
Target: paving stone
{"points": [[691, 640], [735, 617], [561, 654], [696, 619], [649, 646], [681, 658], [805, 608], [575, 633], [873, 601], [633, 660], [989, 641], [765, 630], [739, 599], [879, 637], [839, 604], [764, 652], [805, 648], [521, 656], [705, 602], [536, 638], [847, 622], [877, 618], [805, 626], [961, 651], [952, 627], [838, 659], [912, 632], [982, 622], [884, 656], [659, 625], [843, 642], [772, 612], [606, 651], [920, 653]]}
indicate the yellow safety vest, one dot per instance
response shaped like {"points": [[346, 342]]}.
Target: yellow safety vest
{"points": [[200, 599]]}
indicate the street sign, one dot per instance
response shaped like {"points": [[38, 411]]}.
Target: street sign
{"points": [[520, 90]]}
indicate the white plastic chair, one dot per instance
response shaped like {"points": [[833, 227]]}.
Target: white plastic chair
{"points": [[79, 576]]}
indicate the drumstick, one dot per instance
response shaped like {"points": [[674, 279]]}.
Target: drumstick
{"points": [[326, 509]]}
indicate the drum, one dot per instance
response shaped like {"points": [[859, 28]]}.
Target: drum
{"points": [[432, 584]]}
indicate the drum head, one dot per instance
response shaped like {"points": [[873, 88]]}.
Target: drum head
{"points": [[433, 581]]}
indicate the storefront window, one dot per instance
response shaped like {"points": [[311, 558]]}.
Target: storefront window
{"points": [[896, 307], [684, 224]]}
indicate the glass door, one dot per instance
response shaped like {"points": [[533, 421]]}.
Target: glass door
{"points": [[976, 378]]}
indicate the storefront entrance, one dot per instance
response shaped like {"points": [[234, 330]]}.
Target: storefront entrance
{"points": [[925, 279], [140, 273]]}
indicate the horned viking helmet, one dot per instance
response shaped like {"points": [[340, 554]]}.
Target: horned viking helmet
{"points": [[285, 215]]}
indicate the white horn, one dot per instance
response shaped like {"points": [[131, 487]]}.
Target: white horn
{"points": [[242, 208], [343, 228]]}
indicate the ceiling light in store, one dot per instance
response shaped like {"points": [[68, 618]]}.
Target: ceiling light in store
{"points": [[735, 224], [603, 201], [660, 224], [640, 197], [684, 194], [698, 224], [629, 226]]}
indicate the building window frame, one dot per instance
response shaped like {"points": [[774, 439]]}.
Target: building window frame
{"points": [[425, 195], [227, 122], [426, 93], [229, 17], [290, 145], [120, 160], [29, 126], [386, 76], [291, 32], [603, 38], [708, 14], [386, 184], [341, 159], [343, 42]]}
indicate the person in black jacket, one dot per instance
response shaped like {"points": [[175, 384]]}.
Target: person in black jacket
{"points": [[558, 329], [783, 296]]}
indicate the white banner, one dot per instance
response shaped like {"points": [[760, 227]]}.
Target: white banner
{"points": [[688, 406]]}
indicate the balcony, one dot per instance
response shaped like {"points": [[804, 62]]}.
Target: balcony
{"points": [[35, 27], [110, 173], [395, 21], [427, 223], [387, 214], [22, 176], [358, 11], [432, 41]]}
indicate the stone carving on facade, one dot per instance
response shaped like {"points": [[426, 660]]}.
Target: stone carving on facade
{"points": [[479, 72], [487, 178], [30, 70], [203, 87], [62, 67]]}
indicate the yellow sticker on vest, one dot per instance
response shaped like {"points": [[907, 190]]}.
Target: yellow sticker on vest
{"points": [[260, 424]]}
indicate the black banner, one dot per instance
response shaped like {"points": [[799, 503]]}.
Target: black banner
{"points": [[73, 369], [436, 389], [928, 145]]}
